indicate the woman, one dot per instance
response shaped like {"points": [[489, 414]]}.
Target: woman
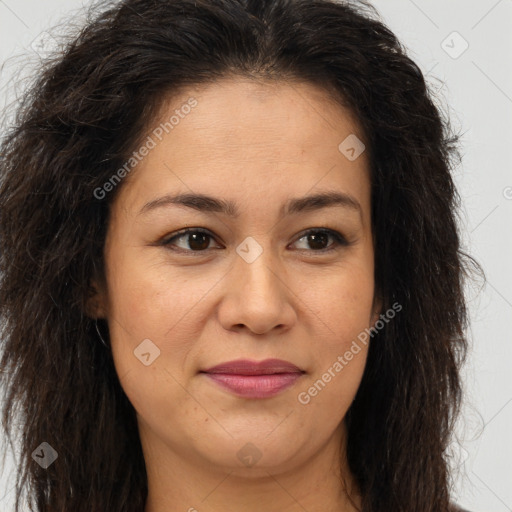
{"points": [[305, 355]]}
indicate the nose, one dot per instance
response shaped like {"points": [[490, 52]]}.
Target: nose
{"points": [[257, 296]]}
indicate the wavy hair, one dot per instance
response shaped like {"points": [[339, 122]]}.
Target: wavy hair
{"points": [[89, 108]]}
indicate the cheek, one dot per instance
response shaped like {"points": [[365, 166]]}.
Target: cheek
{"points": [[149, 301], [147, 297], [341, 345], [342, 307], [152, 321], [342, 302]]}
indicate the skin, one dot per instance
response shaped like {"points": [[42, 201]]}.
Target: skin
{"points": [[258, 144]]}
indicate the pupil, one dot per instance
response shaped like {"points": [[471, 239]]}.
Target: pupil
{"points": [[195, 237], [322, 237]]}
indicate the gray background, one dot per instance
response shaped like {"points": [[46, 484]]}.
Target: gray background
{"points": [[475, 87]]}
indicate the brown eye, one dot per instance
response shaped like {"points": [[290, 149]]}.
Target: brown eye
{"points": [[318, 239], [196, 240]]}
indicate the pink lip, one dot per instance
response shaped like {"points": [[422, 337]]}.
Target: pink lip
{"points": [[253, 379], [248, 367]]}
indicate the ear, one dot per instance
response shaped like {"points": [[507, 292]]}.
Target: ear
{"points": [[95, 304], [376, 309]]}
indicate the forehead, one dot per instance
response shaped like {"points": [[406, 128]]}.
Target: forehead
{"points": [[236, 113], [250, 139]]}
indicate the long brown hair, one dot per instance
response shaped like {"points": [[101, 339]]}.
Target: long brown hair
{"points": [[78, 124]]}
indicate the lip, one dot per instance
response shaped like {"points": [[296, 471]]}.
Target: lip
{"points": [[255, 379], [249, 367]]}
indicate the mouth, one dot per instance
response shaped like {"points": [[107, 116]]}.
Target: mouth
{"points": [[253, 379]]}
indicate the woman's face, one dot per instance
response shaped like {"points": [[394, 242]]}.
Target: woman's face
{"points": [[249, 285]]}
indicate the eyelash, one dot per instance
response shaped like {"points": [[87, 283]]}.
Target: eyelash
{"points": [[340, 240]]}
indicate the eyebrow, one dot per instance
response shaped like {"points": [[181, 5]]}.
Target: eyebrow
{"points": [[208, 204]]}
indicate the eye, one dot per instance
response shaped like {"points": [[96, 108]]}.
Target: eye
{"points": [[198, 240], [317, 238]]}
